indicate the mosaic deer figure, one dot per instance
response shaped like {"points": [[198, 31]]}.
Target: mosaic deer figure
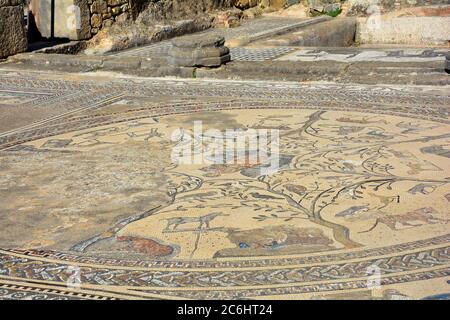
{"points": [[203, 221]]}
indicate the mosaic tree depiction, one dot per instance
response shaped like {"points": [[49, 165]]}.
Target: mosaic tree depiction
{"points": [[324, 166], [344, 176], [90, 188]]}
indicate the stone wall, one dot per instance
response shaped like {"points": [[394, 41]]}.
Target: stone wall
{"points": [[13, 37], [360, 7], [349, 7], [160, 10], [430, 31], [83, 19], [105, 12]]}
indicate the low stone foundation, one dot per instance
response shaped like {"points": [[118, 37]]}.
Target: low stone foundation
{"points": [[332, 33], [13, 37], [431, 31], [349, 7]]}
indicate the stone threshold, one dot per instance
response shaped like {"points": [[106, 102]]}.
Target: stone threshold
{"points": [[367, 72], [244, 40]]}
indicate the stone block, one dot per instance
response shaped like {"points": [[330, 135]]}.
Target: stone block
{"points": [[198, 51], [13, 38], [405, 30], [99, 6], [199, 62], [122, 63], [198, 41]]}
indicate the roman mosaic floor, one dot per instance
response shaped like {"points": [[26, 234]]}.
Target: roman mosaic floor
{"points": [[93, 206]]}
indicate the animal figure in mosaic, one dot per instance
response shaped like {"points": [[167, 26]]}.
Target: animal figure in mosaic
{"points": [[298, 189], [216, 170], [424, 215], [272, 240], [422, 188], [417, 168], [410, 127], [150, 247], [363, 120], [203, 221], [438, 150], [350, 212], [385, 200]]}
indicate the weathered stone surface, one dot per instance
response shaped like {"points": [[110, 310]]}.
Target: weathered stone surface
{"points": [[96, 20], [228, 18], [123, 36], [339, 32], [252, 13], [180, 9], [245, 4], [332, 7], [7, 3], [198, 51], [199, 62], [13, 38], [367, 7], [99, 6], [198, 41], [116, 2], [404, 30], [122, 17]]}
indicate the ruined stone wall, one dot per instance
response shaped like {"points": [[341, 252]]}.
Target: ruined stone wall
{"points": [[360, 7], [82, 19], [13, 37], [105, 12], [349, 7], [159, 10]]}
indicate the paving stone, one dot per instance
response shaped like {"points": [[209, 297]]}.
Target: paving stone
{"points": [[123, 63], [198, 41]]}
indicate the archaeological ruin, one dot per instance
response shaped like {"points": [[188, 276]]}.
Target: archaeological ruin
{"points": [[203, 150]]}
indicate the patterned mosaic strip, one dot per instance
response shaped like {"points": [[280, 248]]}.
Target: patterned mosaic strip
{"points": [[235, 264], [25, 268], [309, 288], [237, 54]]}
